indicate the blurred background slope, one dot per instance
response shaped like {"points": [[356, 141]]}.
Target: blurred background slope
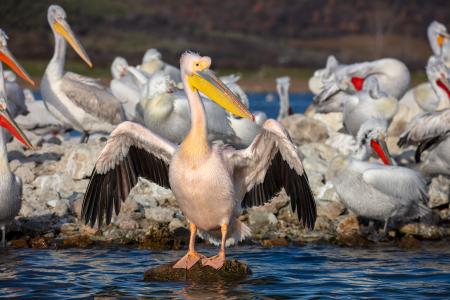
{"points": [[244, 35]]}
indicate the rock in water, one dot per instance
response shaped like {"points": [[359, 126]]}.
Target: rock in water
{"points": [[232, 270]]}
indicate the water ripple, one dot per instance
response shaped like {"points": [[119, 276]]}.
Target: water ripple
{"points": [[279, 273]]}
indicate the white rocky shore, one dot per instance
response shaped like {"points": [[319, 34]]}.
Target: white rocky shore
{"points": [[56, 174]]}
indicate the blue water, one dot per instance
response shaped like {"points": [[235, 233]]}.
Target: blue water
{"points": [[261, 102], [298, 101], [312, 271]]}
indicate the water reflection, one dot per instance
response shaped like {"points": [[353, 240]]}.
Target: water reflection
{"points": [[279, 273]]}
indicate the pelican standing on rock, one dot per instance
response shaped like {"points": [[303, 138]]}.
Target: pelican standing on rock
{"points": [[379, 192], [11, 185], [77, 101], [430, 132], [212, 183]]}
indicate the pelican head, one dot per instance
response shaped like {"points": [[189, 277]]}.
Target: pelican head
{"points": [[195, 69], [152, 61], [56, 17], [438, 74], [119, 67], [7, 122], [371, 138], [8, 59], [437, 33]]}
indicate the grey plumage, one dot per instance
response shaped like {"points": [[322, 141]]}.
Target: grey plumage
{"points": [[430, 131], [379, 192]]}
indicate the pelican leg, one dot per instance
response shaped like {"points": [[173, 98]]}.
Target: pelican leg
{"points": [[385, 229], [3, 236], [218, 260], [84, 138], [192, 257]]}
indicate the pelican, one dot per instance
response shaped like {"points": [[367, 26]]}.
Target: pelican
{"points": [[13, 92], [166, 113], [283, 84], [39, 120], [379, 192], [77, 101], [430, 131], [439, 41], [125, 87], [392, 75], [371, 139], [246, 130], [11, 185], [427, 97], [211, 183], [368, 103], [152, 62], [15, 95]]}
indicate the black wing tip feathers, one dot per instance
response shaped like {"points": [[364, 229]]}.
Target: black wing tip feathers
{"points": [[106, 192]]}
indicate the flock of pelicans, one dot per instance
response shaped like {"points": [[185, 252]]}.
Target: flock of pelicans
{"points": [[187, 130]]}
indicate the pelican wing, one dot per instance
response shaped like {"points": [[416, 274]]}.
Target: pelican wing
{"points": [[398, 182], [426, 127], [269, 164], [427, 130], [132, 151], [95, 99]]}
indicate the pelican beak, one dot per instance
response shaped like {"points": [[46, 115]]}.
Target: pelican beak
{"points": [[216, 90], [444, 84], [380, 147], [63, 28], [7, 122], [441, 38], [8, 58]]}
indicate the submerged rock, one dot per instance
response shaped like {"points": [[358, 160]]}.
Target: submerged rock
{"points": [[232, 270]]}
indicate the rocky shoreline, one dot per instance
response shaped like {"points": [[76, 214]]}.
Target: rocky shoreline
{"points": [[56, 174]]}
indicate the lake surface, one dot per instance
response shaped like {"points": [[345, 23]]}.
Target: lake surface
{"points": [[269, 103], [312, 271]]}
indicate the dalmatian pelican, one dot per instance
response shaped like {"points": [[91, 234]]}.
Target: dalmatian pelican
{"points": [[79, 102], [212, 183], [426, 97], [392, 75], [439, 40], [11, 186]]}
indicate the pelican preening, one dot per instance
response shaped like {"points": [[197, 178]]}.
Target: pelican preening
{"points": [[431, 132], [210, 182], [371, 139], [11, 185], [392, 75], [77, 101]]}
